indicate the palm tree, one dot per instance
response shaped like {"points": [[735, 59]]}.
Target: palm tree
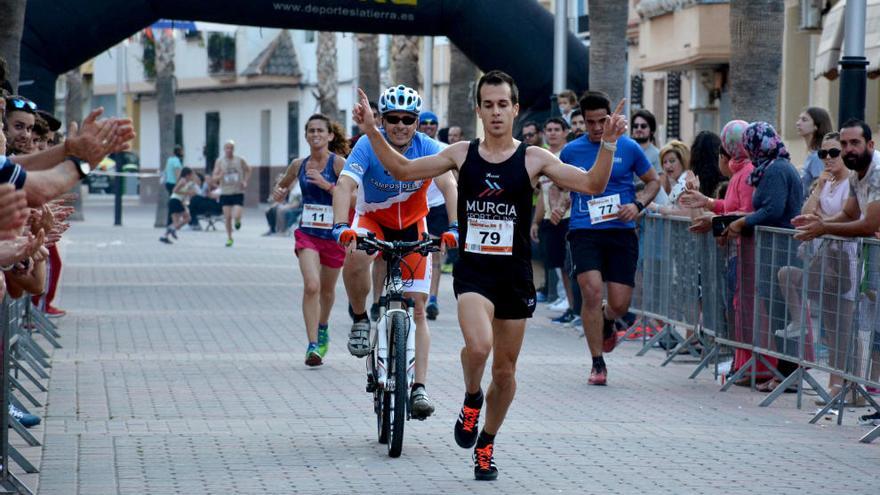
{"points": [[755, 58], [165, 108], [327, 76], [608, 20], [10, 36], [73, 102], [405, 61], [368, 64], [462, 84]]}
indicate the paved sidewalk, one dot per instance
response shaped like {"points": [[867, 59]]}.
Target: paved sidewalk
{"points": [[182, 372]]}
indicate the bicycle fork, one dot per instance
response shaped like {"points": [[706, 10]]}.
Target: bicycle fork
{"points": [[383, 359]]}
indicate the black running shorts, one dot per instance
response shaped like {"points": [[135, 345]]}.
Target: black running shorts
{"points": [[613, 252], [513, 301], [175, 206], [232, 199]]}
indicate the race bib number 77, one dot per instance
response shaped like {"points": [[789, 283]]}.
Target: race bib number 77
{"points": [[489, 237], [604, 209]]}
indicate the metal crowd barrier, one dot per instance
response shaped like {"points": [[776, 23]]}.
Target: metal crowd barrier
{"points": [[814, 305], [22, 359]]}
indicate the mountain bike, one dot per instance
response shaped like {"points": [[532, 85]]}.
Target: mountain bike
{"points": [[391, 362]]}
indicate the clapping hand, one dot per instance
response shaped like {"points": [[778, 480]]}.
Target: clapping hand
{"points": [[13, 211]]}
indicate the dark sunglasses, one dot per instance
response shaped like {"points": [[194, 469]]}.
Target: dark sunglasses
{"points": [[529, 135], [641, 126], [833, 153], [19, 103], [428, 122], [394, 119]]}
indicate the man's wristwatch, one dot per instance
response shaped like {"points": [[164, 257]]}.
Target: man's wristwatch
{"points": [[612, 147], [82, 167], [639, 205]]}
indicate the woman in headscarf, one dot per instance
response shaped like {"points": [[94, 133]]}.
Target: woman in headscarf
{"points": [[777, 199], [735, 164]]}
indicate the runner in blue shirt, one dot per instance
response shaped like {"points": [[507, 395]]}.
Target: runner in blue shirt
{"points": [[602, 235]]}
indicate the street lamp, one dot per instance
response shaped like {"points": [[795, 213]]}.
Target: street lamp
{"points": [[853, 64]]}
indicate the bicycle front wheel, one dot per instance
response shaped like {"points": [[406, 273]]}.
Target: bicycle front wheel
{"points": [[397, 347]]}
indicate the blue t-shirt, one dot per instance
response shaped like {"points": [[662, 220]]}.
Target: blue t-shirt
{"points": [[172, 166], [393, 203], [11, 173], [629, 161]]}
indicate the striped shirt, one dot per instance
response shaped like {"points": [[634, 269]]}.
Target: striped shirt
{"points": [[11, 173]]}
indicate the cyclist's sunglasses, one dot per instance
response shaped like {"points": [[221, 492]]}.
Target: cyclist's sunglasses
{"points": [[23, 104], [833, 153], [428, 122], [395, 119]]}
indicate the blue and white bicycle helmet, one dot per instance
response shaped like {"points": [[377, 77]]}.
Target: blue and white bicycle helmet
{"points": [[400, 99]]}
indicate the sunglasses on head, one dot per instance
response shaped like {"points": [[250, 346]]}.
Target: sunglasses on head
{"points": [[19, 103], [395, 119], [833, 153]]}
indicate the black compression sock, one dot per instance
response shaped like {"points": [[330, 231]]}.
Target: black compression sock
{"points": [[599, 362], [417, 385], [360, 317], [474, 400], [485, 439]]}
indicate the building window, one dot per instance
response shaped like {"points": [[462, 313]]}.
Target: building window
{"points": [[221, 54], [212, 140], [637, 89], [178, 129], [149, 57], [673, 105], [293, 131]]}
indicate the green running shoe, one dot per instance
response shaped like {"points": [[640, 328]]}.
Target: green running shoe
{"points": [[313, 357], [323, 341], [228, 242]]}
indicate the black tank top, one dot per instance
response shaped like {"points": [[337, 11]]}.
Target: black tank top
{"points": [[493, 200]]}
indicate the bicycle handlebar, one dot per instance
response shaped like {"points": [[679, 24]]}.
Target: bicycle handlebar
{"points": [[371, 244]]}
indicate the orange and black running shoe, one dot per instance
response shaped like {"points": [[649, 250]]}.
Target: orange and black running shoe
{"points": [[466, 427], [484, 463]]}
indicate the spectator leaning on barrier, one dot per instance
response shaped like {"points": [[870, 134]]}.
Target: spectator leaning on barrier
{"points": [[676, 179], [777, 200], [861, 214], [734, 162], [704, 162], [832, 266]]}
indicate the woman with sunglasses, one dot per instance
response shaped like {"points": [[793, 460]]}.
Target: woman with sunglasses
{"points": [[832, 265]]}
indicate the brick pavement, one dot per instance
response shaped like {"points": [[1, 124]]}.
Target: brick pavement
{"points": [[182, 372]]}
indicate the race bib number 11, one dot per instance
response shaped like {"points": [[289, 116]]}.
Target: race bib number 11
{"points": [[604, 209], [317, 216], [489, 237]]}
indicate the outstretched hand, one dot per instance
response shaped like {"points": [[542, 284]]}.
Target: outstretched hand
{"points": [[615, 125], [362, 113]]}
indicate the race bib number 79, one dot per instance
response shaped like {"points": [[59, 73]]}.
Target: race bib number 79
{"points": [[489, 237]]}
